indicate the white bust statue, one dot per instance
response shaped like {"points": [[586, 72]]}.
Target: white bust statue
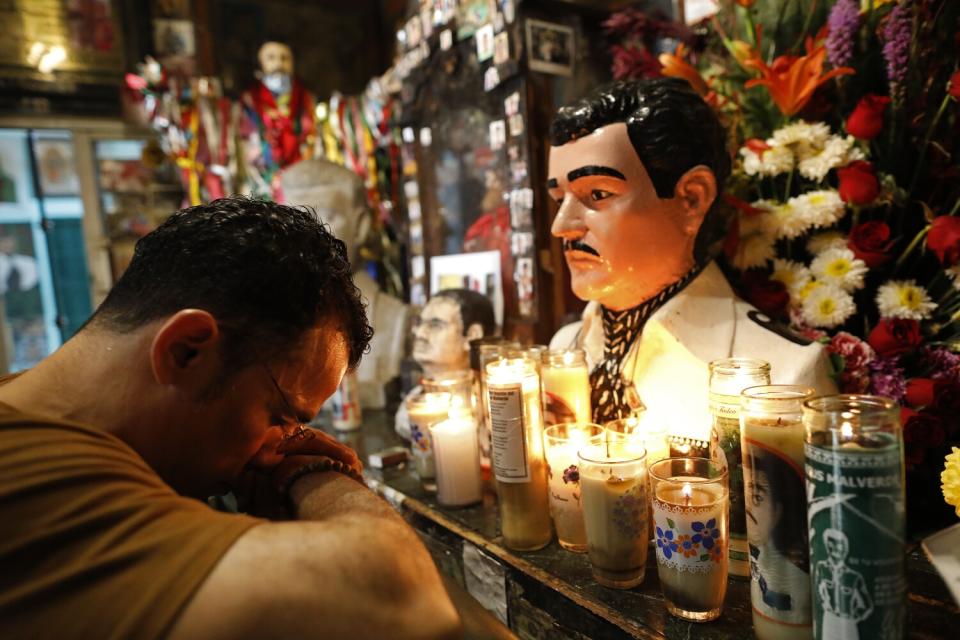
{"points": [[337, 195]]}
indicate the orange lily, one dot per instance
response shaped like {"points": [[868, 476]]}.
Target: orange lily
{"points": [[791, 80], [675, 66]]}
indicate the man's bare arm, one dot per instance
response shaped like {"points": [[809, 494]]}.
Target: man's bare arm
{"points": [[351, 569]]}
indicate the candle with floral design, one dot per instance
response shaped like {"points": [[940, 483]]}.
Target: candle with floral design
{"points": [[613, 484], [561, 443], [690, 505]]}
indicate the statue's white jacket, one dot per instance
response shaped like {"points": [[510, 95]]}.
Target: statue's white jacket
{"points": [[668, 363]]}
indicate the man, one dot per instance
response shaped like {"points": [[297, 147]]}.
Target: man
{"points": [[337, 195], [843, 591], [441, 338], [232, 325], [635, 169]]}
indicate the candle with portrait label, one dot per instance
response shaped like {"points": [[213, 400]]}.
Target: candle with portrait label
{"points": [[856, 514], [728, 377], [516, 425], [457, 456], [561, 442], [690, 503], [566, 386], [771, 439], [345, 402], [613, 480]]}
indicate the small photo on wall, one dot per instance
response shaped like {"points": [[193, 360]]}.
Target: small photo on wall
{"points": [[550, 47], [14, 177], [56, 168]]}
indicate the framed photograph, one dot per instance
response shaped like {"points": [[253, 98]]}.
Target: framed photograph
{"points": [[14, 170], [173, 37], [550, 47], [475, 271], [56, 167], [501, 47], [485, 42]]}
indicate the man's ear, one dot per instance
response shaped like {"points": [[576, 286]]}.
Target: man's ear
{"points": [[695, 191], [474, 331], [184, 349]]}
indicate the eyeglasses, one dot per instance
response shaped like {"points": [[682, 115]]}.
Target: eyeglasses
{"points": [[302, 433]]}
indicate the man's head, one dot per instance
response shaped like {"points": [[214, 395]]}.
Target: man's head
{"points": [[276, 66], [248, 317], [335, 193], [448, 322], [837, 544], [636, 168]]}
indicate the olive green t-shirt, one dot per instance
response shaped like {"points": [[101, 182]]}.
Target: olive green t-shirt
{"points": [[93, 544]]}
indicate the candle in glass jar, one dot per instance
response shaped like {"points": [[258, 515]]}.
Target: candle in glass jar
{"points": [[561, 443], [856, 516], [690, 529], [424, 410], [566, 386], [771, 439], [728, 377], [613, 480], [457, 455], [651, 436], [516, 424]]}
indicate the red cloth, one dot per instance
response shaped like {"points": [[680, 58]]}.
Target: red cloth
{"points": [[283, 133]]}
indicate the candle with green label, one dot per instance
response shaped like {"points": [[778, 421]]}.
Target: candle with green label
{"points": [[856, 514]]}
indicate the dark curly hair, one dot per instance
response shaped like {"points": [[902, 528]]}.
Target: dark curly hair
{"points": [[267, 272], [672, 130]]}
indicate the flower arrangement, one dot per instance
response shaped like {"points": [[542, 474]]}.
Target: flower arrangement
{"points": [[845, 195]]}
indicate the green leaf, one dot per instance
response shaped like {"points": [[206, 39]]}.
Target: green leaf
{"points": [[704, 556], [670, 522]]}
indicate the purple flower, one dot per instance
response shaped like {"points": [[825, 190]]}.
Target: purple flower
{"points": [[943, 364], [896, 49], [887, 379], [844, 21], [571, 474]]}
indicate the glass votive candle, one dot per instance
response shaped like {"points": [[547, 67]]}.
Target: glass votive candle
{"points": [[566, 386], [652, 436], [425, 410], [613, 486], [561, 442], [856, 516], [690, 509], [457, 456]]}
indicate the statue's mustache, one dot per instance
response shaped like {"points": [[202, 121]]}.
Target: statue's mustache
{"points": [[579, 245]]}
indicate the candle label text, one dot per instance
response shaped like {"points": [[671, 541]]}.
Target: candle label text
{"points": [[856, 526], [508, 433], [692, 542]]}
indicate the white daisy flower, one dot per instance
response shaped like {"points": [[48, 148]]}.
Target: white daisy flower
{"points": [[840, 267], [904, 299], [954, 273], [811, 286], [794, 276], [822, 208], [802, 136], [790, 221], [827, 240], [772, 162], [757, 238], [837, 152], [828, 306]]}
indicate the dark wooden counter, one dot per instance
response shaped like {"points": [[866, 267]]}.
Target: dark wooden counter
{"points": [[550, 593]]}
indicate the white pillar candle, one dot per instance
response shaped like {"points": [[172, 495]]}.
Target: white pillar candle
{"points": [[425, 410], [457, 456]]}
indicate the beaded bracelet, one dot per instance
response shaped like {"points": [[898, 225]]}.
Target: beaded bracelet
{"points": [[322, 464]]}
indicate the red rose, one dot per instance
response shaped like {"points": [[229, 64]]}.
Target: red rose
{"points": [[924, 429], [954, 87], [866, 121], [946, 403], [944, 239], [769, 296], [921, 391], [858, 185], [895, 336], [870, 242]]}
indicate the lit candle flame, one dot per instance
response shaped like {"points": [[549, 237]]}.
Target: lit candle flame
{"points": [[846, 430], [687, 492], [568, 358]]}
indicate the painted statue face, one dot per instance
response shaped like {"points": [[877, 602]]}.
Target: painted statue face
{"points": [[275, 58], [622, 243], [438, 341]]}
